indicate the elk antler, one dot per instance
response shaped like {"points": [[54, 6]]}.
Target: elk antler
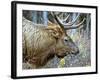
{"points": [[75, 26], [66, 26]]}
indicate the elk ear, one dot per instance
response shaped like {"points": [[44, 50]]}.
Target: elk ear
{"points": [[55, 32]]}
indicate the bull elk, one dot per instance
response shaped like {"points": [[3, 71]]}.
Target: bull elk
{"points": [[42, 43]]}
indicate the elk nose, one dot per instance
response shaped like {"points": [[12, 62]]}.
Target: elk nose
{"points": [[76, 52]]}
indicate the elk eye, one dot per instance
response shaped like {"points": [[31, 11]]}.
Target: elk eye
{"points": [[66, 40]]}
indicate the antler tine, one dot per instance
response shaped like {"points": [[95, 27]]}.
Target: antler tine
{"points": [[66, 18], [71, 23], [57, 20], [75, 26], [68, 25], [65, 24]]}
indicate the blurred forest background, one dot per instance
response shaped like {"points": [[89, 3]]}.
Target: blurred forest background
{"points": [[81, 36]]}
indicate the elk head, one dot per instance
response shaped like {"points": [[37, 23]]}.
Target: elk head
{"points": [[65, 44]]}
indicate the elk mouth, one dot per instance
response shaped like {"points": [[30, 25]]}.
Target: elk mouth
{"points": [[62, 55]]}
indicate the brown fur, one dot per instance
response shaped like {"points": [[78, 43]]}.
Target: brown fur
{"points": [[40, 43]]}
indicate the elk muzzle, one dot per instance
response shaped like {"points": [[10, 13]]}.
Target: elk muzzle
{"points": [[75, 51]]}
